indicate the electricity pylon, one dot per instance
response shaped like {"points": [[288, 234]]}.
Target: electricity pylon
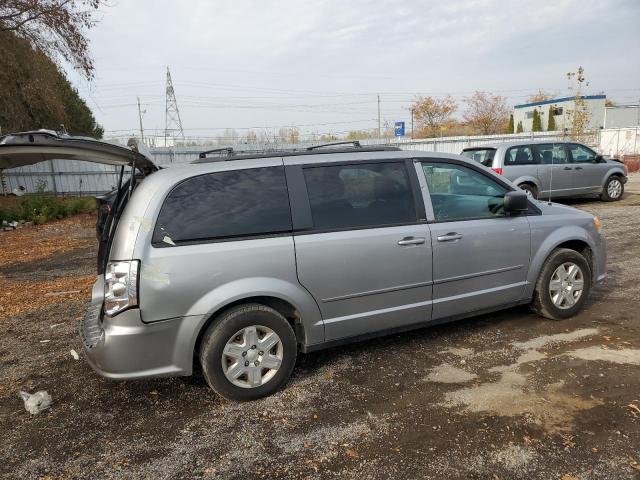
{"points": [[172, 122]]}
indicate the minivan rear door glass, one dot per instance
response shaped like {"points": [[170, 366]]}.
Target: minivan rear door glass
{"points": [[483, 156]]}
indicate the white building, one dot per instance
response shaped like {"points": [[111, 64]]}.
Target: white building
{"points": [[560, 108], [621, 116]]}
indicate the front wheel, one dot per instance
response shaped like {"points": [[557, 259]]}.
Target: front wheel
{"points": [[613, 189], [563, 285], [248, 352], [529, 189]]}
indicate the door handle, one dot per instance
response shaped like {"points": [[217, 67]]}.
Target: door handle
{"points": [[412, 241], [578, 168], [449, 237], [567, 168]]}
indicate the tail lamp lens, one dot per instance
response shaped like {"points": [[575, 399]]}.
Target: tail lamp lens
{"points": [[498, 170], [120, 286]]}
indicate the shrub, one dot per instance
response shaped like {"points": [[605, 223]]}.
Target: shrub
{"points": [[40, 207]]}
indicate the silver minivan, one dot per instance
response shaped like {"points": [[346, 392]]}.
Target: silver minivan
{"points": [[546, 169], [241, 260]]}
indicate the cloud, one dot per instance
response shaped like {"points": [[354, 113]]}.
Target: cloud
{"points": [[223, 55]]}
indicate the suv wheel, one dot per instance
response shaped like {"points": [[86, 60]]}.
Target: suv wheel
{"points": [[248, 352], [613, 189], [529, 189], [563, 285]]}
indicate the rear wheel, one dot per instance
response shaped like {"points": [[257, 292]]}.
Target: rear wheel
{"points": [[529, 189], [563, 285], [248, 352], [613, 189]]}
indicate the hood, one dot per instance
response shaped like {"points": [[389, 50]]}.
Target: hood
{"points": [[27, 148]]}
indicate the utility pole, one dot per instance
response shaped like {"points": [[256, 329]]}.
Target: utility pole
{"points": [[172, 122], [379, 131], [412, 124], [140, 119]]}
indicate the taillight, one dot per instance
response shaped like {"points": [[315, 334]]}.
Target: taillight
{"points": [[120, 286], [498, 170]]}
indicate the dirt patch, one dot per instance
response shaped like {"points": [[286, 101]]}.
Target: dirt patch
{"points": [[18, 297], [37, 242]]}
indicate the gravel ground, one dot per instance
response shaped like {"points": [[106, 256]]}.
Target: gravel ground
{"points": [[502, 396]]}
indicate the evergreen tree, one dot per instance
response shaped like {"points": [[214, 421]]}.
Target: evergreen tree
{"points": [[551, 125], [537, 121], [520, 129], [35, 94], [510, 128]]}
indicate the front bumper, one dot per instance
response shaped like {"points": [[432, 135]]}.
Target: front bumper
{"points": [[124, 347]]}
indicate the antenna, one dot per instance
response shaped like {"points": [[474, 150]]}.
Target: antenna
{"points": [[553, 148], [172, 122]]}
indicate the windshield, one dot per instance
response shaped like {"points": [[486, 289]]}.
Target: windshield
{"points": [[481, 155]]}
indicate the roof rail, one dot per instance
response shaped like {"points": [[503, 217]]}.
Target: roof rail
{"points": [[355, 143], [229, 151]]}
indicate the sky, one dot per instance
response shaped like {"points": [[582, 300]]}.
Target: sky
{"points": [[321, 65]]}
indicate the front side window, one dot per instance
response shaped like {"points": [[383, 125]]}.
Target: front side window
{"points": [[461, 193], [581, 154], [551, 153], [483, 156], [359, 195], [239, 203], [522, 155]]}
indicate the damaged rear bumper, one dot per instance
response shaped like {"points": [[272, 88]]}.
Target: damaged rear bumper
{"points": [[124, 347]]}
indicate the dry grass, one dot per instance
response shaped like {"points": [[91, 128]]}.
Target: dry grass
{"points": [[42, 241]]}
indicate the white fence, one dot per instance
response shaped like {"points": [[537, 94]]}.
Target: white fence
{"points": [[84, 178]]}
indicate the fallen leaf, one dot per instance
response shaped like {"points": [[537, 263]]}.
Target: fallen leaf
{"points": [[352, 453]]}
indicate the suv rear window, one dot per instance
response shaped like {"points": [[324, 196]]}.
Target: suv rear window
{"points": [[359, 195], [239, 203], [483, 156]]}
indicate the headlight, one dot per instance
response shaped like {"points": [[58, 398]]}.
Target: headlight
{"points": [[597, 223], [120, 286]]}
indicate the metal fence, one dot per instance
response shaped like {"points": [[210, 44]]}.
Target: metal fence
{"points": [[84, 178]]}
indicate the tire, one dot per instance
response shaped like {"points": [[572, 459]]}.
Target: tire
{"points": [[613, 189], [529, 189], [543, 303], [228, 341]]}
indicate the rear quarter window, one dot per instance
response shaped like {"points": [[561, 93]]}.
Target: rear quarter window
{"points": [[482, 156], [224, 205], [522, 155]]}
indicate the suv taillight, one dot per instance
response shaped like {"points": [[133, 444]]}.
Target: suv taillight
{"points": [[498, 170], [120, 286]]}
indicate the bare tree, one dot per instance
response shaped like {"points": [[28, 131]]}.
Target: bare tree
{"points": [[486, 113], [55, 27], [433, 115]]}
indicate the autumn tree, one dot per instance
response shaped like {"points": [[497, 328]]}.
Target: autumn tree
{"points": [[578, 117], [539, 97], [486, 113], [57, 28], [551, 122], [510, 128], [432, 115]]}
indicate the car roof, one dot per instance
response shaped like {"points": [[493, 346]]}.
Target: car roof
{"points": [[515, 143]]}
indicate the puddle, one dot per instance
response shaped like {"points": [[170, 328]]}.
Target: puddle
{"points": [[545, 340], [446, 373], [628, 356]]}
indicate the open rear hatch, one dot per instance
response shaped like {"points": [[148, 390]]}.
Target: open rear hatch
{"points": [[28, 148]]}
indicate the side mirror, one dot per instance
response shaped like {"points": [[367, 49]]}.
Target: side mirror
{"points": [[516, 202], [600, 159]]}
